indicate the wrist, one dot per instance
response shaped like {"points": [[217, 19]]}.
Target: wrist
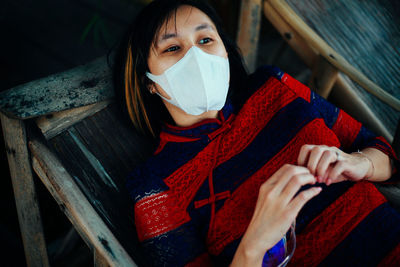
{"points": [[246, 256], [371, 168]]}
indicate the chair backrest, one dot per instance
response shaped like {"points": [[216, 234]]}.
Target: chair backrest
{"points": [[99, 152], [80, 125], [367, 35]]}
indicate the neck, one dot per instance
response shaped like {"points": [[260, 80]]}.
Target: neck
{"points": [[182, 119]]}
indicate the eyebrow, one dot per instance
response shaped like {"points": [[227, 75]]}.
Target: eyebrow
{"points": [[200, 27], [204, 26]]}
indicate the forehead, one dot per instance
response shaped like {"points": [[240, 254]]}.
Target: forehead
{"points": [[185, 18]]}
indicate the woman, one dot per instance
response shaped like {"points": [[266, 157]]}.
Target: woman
{"points": [[240, 155]]}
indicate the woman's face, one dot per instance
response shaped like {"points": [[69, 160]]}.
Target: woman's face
{"points": [[190, 27]]}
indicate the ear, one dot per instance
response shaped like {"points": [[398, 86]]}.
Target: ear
{"points": [[149, 84], [152, 88]]}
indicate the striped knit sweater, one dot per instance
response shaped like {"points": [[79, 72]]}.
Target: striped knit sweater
{"points": [[195, 197]]}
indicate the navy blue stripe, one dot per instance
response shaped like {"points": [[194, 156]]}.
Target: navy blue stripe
{"points": [[262, 74], [370, 241], [148, 178], [231, 174], [316, 205], [226, 256], [175, 248], [328, 111], [364, 139]]}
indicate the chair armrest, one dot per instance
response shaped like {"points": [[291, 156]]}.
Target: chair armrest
{"points": [[80, 86], [329, 53], [76, 206]]}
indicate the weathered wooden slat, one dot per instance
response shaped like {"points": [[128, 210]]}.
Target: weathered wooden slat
{"points": [[121, 144], [85, 175], [296, 42], [343, 94], [362, 31], [391, 192], [53, 190], [347, 24], [55, 123], [101, 145], [112, 205], [94, 162], [99, 260], [24, 191], [249, 31], [83, 85], [396, 140], [139, 146], [96, 143], [81, 213], [323, 77]]}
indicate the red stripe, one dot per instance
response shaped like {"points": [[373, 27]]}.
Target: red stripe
{"points": [[346, 128], [158, 214], [392, 259], [233, 218], [186, 181], [166, 137], [300, 89], [201, 261], [388, 150], [332, 226]]}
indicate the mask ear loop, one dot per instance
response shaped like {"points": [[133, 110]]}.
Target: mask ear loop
{"points": [[154, 91], [151, 88]]}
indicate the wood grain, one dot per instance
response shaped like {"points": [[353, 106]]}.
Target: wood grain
{"points": [[249, 31], [98, 153], [80, 86], [345, 94], [24, 191], [76, 206], [323, 77], [361, 39], [56, 122]]}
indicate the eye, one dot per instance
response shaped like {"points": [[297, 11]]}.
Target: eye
{"points": [[172, 49], [205, 40]]}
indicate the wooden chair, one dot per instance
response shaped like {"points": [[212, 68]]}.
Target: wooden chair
{"points": [[64, 127]]}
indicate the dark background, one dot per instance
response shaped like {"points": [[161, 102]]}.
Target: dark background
{"points": [[43, 37]]}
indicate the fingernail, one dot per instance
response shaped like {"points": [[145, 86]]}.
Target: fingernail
{"points": [[317, 189]]}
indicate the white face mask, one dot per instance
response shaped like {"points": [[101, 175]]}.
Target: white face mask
{"points": [[197, 83]]}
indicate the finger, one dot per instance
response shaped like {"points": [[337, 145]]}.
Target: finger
{"points": [[328, 157], [315, 157], [301, 199], [275, 184], [294, 185], [340, 178], [336, 172], [286, 170], [303, 154]]}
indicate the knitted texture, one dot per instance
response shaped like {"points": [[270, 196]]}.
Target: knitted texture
{"points": [[194, 199]]}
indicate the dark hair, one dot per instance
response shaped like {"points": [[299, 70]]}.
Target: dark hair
{"points": [[146, 111]]}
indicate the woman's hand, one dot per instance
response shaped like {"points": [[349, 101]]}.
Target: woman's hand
{"points": [[276, 208], [331, 165]]}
